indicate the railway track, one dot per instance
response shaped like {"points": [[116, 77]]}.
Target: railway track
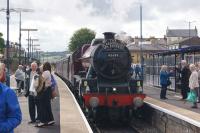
{"points": [[113, 128]]}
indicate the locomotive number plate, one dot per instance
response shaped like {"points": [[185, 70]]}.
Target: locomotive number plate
{"points": [[113, 55]]}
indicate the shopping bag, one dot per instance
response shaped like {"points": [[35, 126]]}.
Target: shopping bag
{"points": [[192, 96]]}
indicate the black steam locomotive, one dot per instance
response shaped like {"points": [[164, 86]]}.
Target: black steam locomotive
{"points": [[101, 76]]}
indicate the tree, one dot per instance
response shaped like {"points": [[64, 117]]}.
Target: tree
{"points": [[80, 37], [2, 43]]}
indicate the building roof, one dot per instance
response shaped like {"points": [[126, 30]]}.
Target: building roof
{"points": [[146, 47], [188, 49], [181, 32], [187, 41]]}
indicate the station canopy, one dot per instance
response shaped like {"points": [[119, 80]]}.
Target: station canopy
{"points": [[189, 49]]}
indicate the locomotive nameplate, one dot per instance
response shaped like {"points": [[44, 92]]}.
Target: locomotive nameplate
{"points": [[113, 44]]}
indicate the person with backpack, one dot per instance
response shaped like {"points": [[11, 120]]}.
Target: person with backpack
{"points": [[44, 97]]}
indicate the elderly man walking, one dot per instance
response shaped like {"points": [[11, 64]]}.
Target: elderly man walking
{"points": [[32, 100], [10, 113], [184, 76]]}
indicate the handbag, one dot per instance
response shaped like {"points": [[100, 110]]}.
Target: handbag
{"points": [[169, 82]]}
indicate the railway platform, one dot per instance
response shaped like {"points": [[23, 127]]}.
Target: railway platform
{"points": [[173, 106], [67, 114], [173, 98]]}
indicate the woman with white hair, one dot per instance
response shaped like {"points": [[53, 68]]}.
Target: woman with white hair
{"points": [[164, 81], [193, 83]]}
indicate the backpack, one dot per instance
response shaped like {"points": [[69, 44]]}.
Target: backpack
{"points": [[53, 87]]}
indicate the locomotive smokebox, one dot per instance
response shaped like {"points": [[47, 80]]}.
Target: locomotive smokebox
{"points": [[111, 59], [109, 35]]}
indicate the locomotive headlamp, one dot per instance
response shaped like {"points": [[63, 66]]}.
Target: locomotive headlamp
{"points": [[114, 89], [94, 102], [85, 83], [138, 84], [138, 102]]}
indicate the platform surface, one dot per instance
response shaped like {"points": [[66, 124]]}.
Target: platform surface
{"points": [[173, 105]]}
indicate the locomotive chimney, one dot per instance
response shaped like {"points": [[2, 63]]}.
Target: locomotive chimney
{"points": [[109, 35]]}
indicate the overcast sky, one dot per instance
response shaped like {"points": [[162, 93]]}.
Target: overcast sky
{"points": [[57, 20]]}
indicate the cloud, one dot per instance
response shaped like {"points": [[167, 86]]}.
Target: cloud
{"points": [[99, 7], [57, 20]]}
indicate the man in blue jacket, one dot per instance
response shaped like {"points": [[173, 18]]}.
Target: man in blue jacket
{"points": [[10, 113]]}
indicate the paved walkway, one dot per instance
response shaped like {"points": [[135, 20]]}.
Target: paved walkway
{"points": [[24, 127]]}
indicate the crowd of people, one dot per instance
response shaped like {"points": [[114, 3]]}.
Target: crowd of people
{"points": [[39, 88], [189, 78], [38, 85]]}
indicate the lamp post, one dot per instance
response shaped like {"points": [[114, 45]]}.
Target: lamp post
{"points": [[7, 46], [31, 45], [28, 30], [141, 45], [189, 29], [189, 35], [35, 50], [18, 10]]}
